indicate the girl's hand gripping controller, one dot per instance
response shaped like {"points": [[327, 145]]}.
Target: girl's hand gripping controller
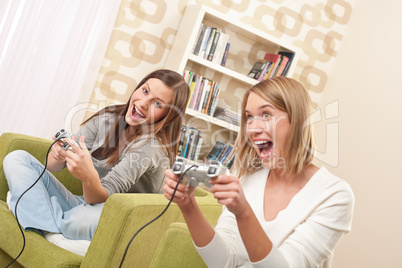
{"points": [[61, 135], [197, 174]]}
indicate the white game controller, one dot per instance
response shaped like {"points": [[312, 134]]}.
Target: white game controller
{"points": [[61, 135], [198, 174]]}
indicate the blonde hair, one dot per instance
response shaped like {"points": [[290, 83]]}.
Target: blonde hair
{"points": [[290, 96]]}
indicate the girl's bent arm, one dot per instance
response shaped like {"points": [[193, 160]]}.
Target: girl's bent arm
{"points": [[229, 192], [201, 231], [256, 241], [56, 158], [80, 165]]}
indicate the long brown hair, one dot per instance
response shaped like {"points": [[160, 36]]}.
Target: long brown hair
{"points": [[290, 96], [166, 131]]}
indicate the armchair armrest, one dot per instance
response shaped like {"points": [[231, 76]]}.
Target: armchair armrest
{"points": [[125, 214], [176, 249]]}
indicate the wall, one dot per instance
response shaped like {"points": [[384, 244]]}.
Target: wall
{"points": [[366, 83], [145, 30]]}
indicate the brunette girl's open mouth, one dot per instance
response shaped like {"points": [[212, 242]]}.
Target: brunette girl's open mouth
{"points": [[137, 114], [265, 147]]}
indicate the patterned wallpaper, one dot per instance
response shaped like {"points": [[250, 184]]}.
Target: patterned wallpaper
{"points": [[144, 32]]}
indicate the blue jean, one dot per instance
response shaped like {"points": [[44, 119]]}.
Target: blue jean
{"points": [[49, 205]]}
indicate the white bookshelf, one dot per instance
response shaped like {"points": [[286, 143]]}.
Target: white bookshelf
{"points": [[233, 79]]}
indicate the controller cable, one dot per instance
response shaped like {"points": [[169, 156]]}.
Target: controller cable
{"points": [[18, 200], [157, 217]]}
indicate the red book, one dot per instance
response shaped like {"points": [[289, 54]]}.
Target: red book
{"points": [[275, 59]]}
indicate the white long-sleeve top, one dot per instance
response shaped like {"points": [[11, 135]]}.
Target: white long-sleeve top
{"points": [[303, 235]]}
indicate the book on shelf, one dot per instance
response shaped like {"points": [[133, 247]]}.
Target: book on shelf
{"points": [[214, 44], [220, 48], [267, 67], [181, 140], [211, 44], [224, 153], [200, 95], [214, 101], [192, 84], [290, 56], [194, 92], [215, 151], [275, 59], [200, 37], [282, 65], [225, 54], [204, 42], [227, 116], [212, 91], [190, 143], [257, 68], [198, 148], [204, 93]]}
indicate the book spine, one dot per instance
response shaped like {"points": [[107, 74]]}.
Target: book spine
{"points": [[224, 157], [220, 48], [204, 42], [190, 144], [271, 66], [205, 96], [264, 71], [181, 140], [210, 40], [256, 69], [213, 99], [194, 144], [202, 97], [198, 149], [195, 91], [210, 93], [200, 37], [192, 86], [290, 55], [225, 54], [282, 66], [187, 142], [200, 91], [215, 105], [214, 44]]}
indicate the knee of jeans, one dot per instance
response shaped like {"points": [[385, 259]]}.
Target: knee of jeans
{"points": [[13, 158], [80, 222]]}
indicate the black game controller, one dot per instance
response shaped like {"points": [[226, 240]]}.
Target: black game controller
{"points": [[198, 174], [61, 135]]}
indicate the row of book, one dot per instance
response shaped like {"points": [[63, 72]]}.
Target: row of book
{"points": [[204, 94], [212, 44], [224, 153], [271, 65], [190, 143]]}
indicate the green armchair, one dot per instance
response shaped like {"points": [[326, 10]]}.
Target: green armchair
{"points": [[164, 243]]}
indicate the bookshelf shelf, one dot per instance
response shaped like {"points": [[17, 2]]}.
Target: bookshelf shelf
{"points": [[212, 120], [223, 70], [247, 45]]}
